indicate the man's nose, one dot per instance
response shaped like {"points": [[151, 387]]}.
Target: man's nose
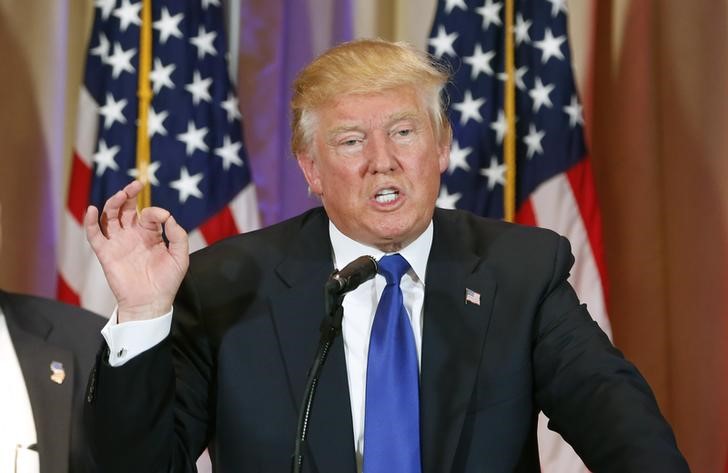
{"points": [[381, 154]]}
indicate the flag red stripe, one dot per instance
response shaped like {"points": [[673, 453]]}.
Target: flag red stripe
{"points": [[582, 184], [525, 214], [219, 226], [65, 293], [79, 188]]}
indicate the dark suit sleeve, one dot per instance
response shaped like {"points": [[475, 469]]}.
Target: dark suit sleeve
{"points": [[595, 399], [152, 414]]}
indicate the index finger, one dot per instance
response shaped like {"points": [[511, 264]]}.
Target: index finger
{"points": [[110, 217]]}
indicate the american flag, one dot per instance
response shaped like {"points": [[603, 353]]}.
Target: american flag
{"points": [[199, 167], [554, 185]]}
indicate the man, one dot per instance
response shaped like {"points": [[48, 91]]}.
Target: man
{"points": [[46, 353], [491, 326]]}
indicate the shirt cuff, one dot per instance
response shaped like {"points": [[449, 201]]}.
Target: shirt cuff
{"points": [[129, 339]]}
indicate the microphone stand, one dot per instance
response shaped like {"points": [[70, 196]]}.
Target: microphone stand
{"points": [[330, 328]]}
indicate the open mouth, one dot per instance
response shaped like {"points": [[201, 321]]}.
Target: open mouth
{"points": [[385, 196]]}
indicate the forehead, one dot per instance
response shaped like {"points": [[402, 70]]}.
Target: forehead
{"points": [[375, 109]]}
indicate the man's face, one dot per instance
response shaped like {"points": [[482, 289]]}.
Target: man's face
{"points": [[376, 165]]}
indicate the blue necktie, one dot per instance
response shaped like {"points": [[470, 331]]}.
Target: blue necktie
{"points": [[392, 411]]}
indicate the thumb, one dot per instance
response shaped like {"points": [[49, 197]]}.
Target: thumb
{"points": [[178, 242]]}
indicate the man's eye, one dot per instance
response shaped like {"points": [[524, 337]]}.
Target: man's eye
{"points": [[351, 142], [404, 132]]}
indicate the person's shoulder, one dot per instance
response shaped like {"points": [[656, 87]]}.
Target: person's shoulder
{"points": [[59, 314], [249, 255], [523, 254], [486, 232], [271, 238]]}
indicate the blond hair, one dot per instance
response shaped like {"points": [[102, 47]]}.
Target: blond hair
{"points": [[363, 67]]}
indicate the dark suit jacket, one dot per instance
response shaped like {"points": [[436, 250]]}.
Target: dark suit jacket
{"points": [[44, 331], [246, 327]]}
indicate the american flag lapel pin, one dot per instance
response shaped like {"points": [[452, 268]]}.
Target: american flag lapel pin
{"points": [[58, 374], [472, 297]]}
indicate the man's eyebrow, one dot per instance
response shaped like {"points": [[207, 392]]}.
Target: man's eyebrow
{"points": [[341, 129], [404, 115]]}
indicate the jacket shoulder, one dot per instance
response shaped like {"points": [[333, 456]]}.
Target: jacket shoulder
{"points": [[55, 311], [265, 243], [481, 233]]}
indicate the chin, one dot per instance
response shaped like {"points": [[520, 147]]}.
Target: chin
{"points": [[394, 239]]}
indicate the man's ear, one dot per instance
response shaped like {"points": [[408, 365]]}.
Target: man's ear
{"points": [[310, 172], [443, 155]]}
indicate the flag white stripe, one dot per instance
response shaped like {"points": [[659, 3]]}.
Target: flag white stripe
{"points": [[196, 240], [76, 253], [87, 127], [244, 208]]}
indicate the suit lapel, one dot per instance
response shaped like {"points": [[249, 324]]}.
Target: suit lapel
{"points": [[51, 402], [452, 341], [297, 312]]}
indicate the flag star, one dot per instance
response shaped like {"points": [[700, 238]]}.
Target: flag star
{"points": [[104, 158], [500, 126], [229, 152], [574, 110], [105, 6], [199, 88], [207, 3], [193, 138], [203, 42], [128, 14], [102, 50], [557, 6], [458, 157], [451, 4], [187, 184], [496, 173], [469, 108], [149, 173], [443, 42], [550, 46], [168, 25], [447, 200], [161, 75], [231, 107], [155, 122], [120, 60], [479, 62], [491, 13], [533, 141], [540, 95], [112, 111], [521, 30], [520, 72]]}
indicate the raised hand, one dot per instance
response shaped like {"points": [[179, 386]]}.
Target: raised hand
{"points": [[143, 273]]}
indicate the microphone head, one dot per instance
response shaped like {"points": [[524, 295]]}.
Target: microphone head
{"points": [[352, 275]]}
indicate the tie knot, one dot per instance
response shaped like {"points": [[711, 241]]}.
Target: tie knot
{"points": [[392, 267]]}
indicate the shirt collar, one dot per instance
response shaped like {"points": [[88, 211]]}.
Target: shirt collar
{"points": [[347, 250]]}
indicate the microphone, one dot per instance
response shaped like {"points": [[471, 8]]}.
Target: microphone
{"points": [[351, 276], [339, 283]]}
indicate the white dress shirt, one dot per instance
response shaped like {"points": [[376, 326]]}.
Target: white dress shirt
{"points": [[129, 339], [360, 306], [16, 415]]}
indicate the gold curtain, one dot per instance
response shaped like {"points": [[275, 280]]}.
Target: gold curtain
{"points": [[660, 145], [42, 50]]}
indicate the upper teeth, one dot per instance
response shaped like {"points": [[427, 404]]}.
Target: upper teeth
{"points": [[386, 195]]}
